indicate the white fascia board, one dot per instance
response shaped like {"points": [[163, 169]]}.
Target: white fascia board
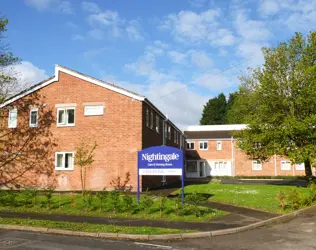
{"points": [[100, 83], [228, 127], [28, 92], [75, 74]]}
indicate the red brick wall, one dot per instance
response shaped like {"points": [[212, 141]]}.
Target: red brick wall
{"points": [[242, 164], [118, 133], [151, 138]]}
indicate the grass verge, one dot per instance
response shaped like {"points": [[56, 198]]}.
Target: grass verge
{"points": [[94, 228], [261, 197]]}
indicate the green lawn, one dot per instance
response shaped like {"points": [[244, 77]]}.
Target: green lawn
{"points": [[75, 205], [95, 228], [261, 197]]}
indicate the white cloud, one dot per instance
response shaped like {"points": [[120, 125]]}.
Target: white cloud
{"points": [[203, 27], [200, 59], [216, 80], [177, 57], [133, 31], [115, 26], [251, 50], [269, 7], [192, 26], [61, 6], [252, 30], [77, 37], [90, 7], [26, 74]]}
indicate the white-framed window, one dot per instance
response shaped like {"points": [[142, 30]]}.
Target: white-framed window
{"points": [[190, 145], [256, 165], [147, 117], [151, 119], [219, 145], [203, 145], [13, 118], [285, 165], [191, 166], [64, 161], [157, 124], [169, 132], [93, 110], [166, 130], [33, 117], [300, 166], [66, 117]]}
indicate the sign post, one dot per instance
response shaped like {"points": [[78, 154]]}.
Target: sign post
{"points": [[160, 160]]}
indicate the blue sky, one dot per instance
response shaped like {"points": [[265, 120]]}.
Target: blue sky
{"points": [[193, 49]]}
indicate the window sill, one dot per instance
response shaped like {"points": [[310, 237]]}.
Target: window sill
{"points": [[256, 169], [64, 169], [203, 149], [68, 125]]}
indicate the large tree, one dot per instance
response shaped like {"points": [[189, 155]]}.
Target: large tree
{"points": [[278, 103], [214, 111]]}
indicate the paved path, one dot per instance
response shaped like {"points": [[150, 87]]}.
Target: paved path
{"points": [[296, 234]]}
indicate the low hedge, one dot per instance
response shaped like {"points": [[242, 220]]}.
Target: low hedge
{"points": [[283, 177]]}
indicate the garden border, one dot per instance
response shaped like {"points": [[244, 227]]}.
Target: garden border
{"points": [[146, 237]]}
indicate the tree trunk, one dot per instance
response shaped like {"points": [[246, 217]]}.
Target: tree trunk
{"points": [[82, 185], [308, 168]]}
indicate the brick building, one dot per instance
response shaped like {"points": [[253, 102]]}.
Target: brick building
{"points": [[212, 151], [70, 108]]}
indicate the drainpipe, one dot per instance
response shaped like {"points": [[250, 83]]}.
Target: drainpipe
{"points": [[233, 157], [275, 165]]}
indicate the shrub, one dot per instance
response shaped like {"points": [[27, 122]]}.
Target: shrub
{"points": [[120, 185], [128, 202], [48, 193], [114, 200], [312, 189], [177, 204], [147, 201], [87, 199], [102, 196], [281, 197], [294, 199], [162, 203]]}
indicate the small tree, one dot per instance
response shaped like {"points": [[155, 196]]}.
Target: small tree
{"points": [[83, 159]]}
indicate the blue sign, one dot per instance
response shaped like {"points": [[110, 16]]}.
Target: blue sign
{"points": [[160, 160]]}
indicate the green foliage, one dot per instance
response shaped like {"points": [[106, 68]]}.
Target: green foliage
{"points": [[48, 193], [281, 197], [147, 201], [196, 199], [102, 196], [278, 102], [87, 199], [114, 200], [127, 201], [294, 199], [84, 158], [312, 189], [214, 111]]}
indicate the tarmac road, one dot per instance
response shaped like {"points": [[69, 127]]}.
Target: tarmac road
{"points": [[299, 233]]}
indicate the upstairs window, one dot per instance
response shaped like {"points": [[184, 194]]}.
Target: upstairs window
{"points": [[64, 161], [203, 145], [166, 130], [66, 117], [13, 118], [151, 120], [147, 117], [175, 136], [256, 165], [157, 124], [169, 132], [190, 145], [219, 145], [34, 117]]}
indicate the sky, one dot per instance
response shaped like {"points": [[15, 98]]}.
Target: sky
{"points": [[177, 53]]}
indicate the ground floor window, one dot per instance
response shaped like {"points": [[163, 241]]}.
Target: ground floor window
{"points": [[300, 166], [64, 161], [285, 165], [256, 165], [191, 167]]}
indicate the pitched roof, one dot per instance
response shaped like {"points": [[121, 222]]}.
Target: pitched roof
{"points": [[110, 86]]}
